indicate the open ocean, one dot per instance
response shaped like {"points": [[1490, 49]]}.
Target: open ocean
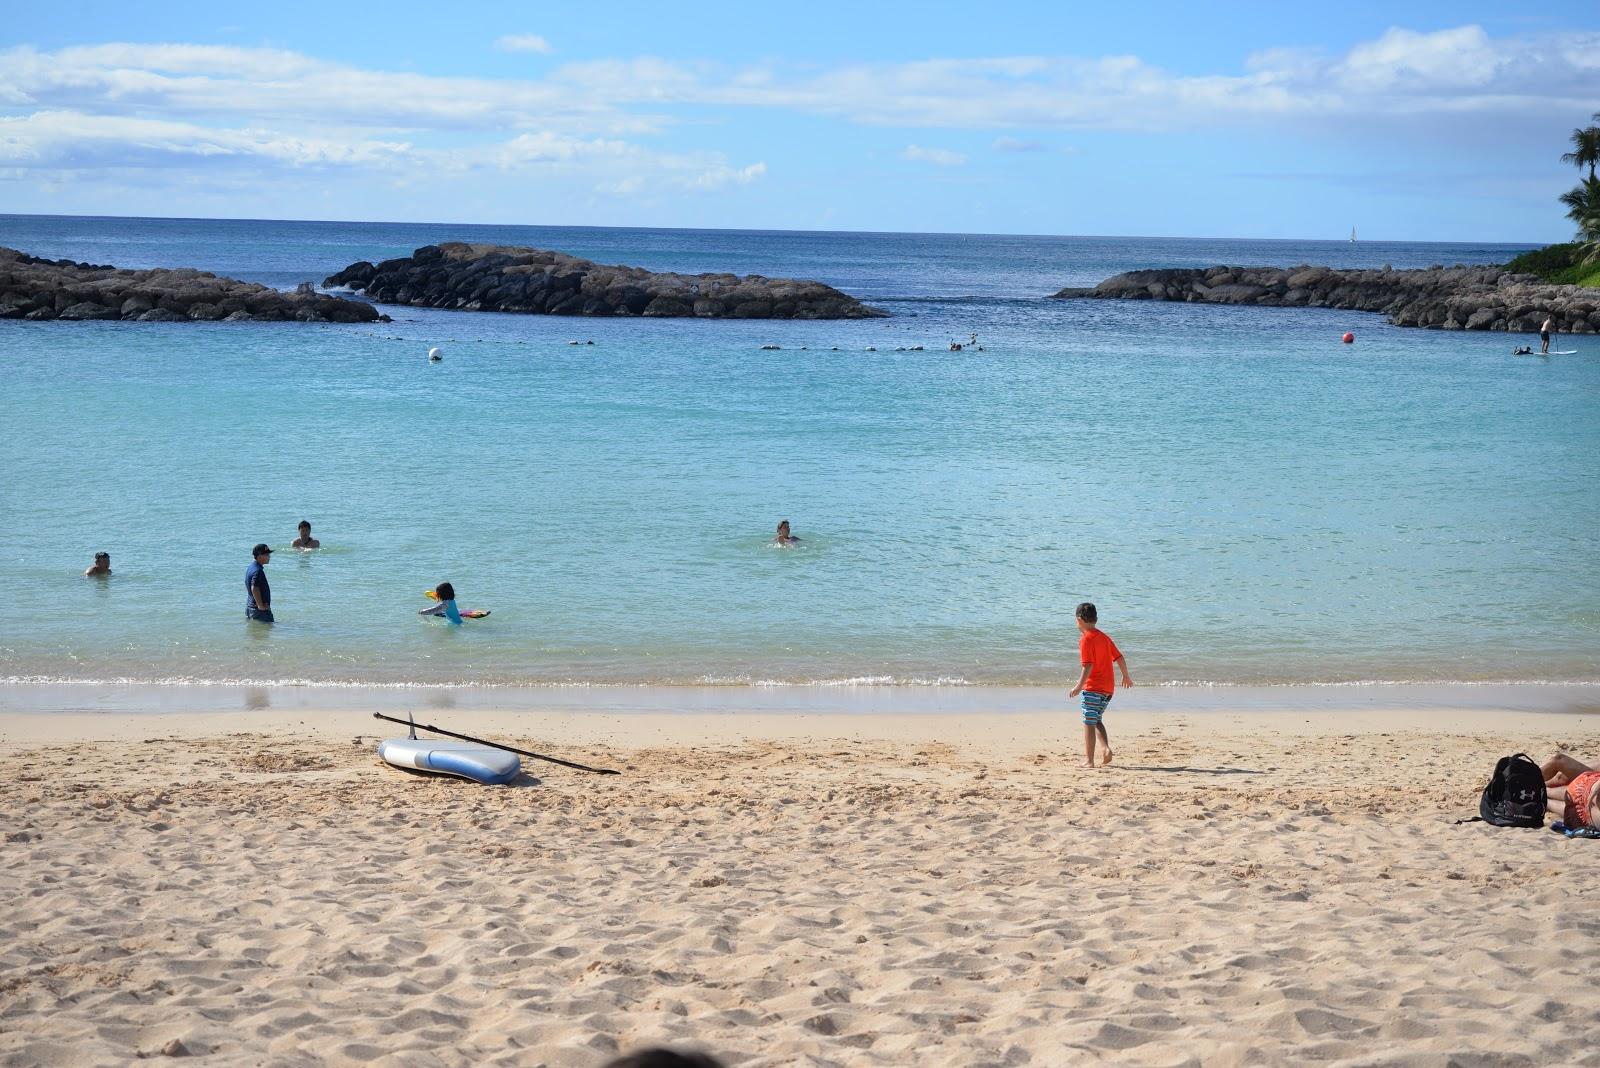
{"points": [[1248, 500]]}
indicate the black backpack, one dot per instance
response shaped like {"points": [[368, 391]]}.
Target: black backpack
{"points": [[1515, 796]]}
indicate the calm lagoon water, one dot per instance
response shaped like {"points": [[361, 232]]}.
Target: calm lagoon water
{"points": [[1248, 500]]}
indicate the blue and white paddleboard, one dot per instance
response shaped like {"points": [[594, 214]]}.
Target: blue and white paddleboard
{"points": [[465, 760]]}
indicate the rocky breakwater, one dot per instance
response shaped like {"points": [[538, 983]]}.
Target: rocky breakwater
{"points": [[509, 279], [1445, 298], [38, 289]]}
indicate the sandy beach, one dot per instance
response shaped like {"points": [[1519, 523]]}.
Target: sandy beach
{"points": [[1266, 887]]}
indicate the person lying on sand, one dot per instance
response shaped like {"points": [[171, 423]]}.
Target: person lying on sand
{"points": [[101, 566], [1574, 789]]}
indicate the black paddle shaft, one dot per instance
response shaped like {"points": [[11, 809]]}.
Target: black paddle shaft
{"points": [[496, 745]]}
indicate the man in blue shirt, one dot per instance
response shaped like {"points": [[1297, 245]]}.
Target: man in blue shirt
{"points": [[258, 595]]}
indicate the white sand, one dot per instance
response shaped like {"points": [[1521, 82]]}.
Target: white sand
{"points": [[1264, 888]]}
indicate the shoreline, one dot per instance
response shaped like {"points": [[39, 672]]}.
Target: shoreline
{"points": [[146, 699]]}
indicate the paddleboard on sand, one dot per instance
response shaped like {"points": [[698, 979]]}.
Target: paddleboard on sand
{"points": [[465, 760]]}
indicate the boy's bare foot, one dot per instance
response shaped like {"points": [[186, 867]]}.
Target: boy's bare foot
{"points": [[1105, 759], [1087, 764]]}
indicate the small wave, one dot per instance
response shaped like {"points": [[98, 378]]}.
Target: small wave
{"points": [[482, 684], [736, 681]]}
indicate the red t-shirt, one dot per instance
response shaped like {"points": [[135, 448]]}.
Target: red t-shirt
{"points": [[1097, 650]]}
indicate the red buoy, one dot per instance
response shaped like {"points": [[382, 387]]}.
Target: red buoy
{"points": [[1349, 338]]}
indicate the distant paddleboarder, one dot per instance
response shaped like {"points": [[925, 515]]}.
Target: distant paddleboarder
{"points": [[1545, 328]]}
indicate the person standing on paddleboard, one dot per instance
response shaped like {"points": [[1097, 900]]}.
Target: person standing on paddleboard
{"points": [[258, 594], [1545, 328]]}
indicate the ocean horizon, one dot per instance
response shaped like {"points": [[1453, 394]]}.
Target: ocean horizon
{"points": [[1250, 502]]}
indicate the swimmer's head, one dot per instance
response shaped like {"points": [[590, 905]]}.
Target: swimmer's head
{"points": [[783, 529], [102, 558], [305, 527], [445, 592]]}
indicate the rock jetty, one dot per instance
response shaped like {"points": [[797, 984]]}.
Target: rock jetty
{"points": [[39, 289], [1445, 298], [510, 279]]}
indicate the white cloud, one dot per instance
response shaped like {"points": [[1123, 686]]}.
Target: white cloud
{"points": [[196, 82], [1013, 144], [523, 42], [938, 156], [203, 107], [1403, 72], [722, 177], [71, 140], [1462, 58]]}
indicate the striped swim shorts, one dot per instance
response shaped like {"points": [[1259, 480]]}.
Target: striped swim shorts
{"points": [[1094, 706]]}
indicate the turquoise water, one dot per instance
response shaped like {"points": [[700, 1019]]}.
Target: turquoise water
{"points": [[1247, 500]]}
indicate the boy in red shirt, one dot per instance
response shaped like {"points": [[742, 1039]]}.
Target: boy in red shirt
{"points": [[1098, 653]]}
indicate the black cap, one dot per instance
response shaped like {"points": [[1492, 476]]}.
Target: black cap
{"points": [[261, 549]]}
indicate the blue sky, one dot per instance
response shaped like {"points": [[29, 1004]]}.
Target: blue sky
{"points": [[1408, 121]]}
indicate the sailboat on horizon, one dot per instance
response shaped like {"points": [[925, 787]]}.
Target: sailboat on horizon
{"points": [[1352, 235]]}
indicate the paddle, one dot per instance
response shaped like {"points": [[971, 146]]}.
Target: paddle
{"points": [[495, 745]]}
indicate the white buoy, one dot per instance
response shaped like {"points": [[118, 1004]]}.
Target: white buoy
{"points": [[435, 355]]}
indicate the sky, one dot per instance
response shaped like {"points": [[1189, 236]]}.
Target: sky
{"points": [[1415, 121]]}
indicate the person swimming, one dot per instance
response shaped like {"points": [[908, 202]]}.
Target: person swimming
{"points": [[445, 594], [784, 538], [1525, 350], [305, 540], [101, 566]]}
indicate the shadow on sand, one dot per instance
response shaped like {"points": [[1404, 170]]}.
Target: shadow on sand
{"points": [[1189, 769]]}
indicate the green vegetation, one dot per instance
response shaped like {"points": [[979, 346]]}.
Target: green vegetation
{"points": [[1577, 263], [1560, 264]]}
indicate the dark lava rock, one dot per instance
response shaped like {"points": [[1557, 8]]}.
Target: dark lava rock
{"points": [[1443, 298], [39, 290], [512, 279]]}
